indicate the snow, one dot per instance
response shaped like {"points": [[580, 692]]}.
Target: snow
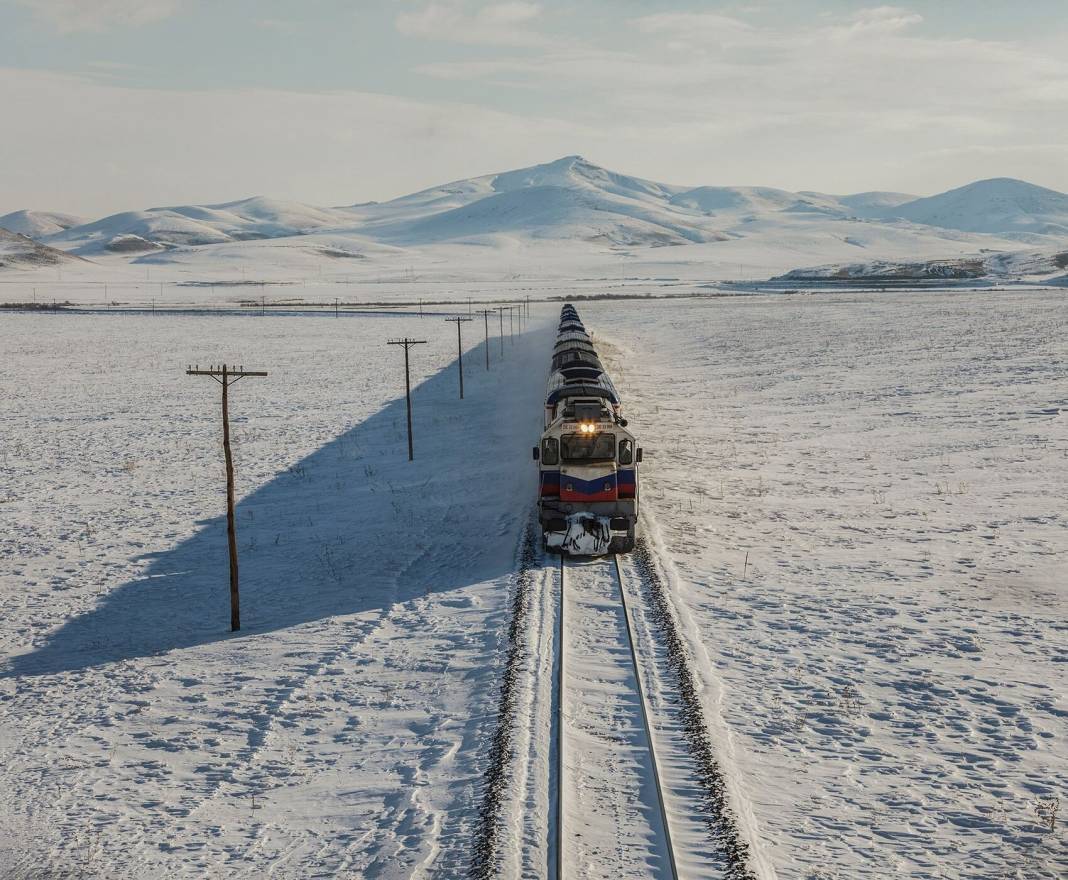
{"points": [[564, 219], [1002, 205], [585, 535], [342, 729], [860, 497], [856, 499], [35, 224]]}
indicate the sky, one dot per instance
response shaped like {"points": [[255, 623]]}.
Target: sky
{"points": [[109, 105]]}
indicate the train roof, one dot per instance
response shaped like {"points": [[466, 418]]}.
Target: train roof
{"points": [[581, 390], [585, 347], [574, 357]]}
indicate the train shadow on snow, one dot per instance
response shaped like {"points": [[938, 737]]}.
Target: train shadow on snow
{"points": [[352, 527]]}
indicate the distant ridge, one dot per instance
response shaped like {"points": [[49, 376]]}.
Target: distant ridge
{"points": [[571, 199]]}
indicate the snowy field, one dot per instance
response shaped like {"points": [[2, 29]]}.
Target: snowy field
{"points": [[341, 732], [889, 668], [885, 672]]}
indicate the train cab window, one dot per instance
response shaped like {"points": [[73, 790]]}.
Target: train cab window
{"points": [[588, 447], [550, 451], [626, 451]]}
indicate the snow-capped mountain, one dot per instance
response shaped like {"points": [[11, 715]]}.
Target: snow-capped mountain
{"points": [[187, 225], [1002, 206], [874, 204], [594, 211], [39, 223], [18, 251], [569, 198]]}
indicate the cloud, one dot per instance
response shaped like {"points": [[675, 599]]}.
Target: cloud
{"points": [[498, 24], [68, 16], [90, 146], [691, 23], [278, 25]]}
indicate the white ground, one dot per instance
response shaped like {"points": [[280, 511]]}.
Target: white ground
{"points": [[885, 678], [342, 732], [889, 668]]}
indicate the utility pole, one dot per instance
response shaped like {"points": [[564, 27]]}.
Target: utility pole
{"points": [[227, 376], [458, 320], [511, 324], [500, 313], [485, 313], [408, 343]]}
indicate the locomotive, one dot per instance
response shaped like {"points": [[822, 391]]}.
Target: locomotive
{"points": [[588, 460]]}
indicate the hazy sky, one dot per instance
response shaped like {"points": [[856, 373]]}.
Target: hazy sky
{"points": [[115, 104]]}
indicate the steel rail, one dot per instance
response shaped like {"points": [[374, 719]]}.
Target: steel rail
{"points": [[669, 845]]}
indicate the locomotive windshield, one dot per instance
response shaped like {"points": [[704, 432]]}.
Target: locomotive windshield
{"points": [[588, 447]]}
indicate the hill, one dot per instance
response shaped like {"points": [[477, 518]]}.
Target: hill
{"points": [[38, 223], [1001, 205], [21, 252]]}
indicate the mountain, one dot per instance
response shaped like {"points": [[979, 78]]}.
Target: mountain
{"points": [[759, 231], [1001, 205], [18, 251], [874, 204], [735, 199], [566, 199], [38, 223], [189, 225]]}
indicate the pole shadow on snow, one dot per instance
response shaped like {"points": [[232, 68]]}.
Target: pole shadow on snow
{"points": [[353, 527]]}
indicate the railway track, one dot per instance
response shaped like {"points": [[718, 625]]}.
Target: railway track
{"points": [[610, 813], [602, 764]]}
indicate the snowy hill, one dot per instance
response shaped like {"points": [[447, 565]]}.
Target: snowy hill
{"points": [[874, 204], [18, 251], [735, 199], [38, 223], [187, 225], [566, 199], [593, 214], [1002, 206]]}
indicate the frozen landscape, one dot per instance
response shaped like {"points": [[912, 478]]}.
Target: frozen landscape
{"points": [[564, 228], [855, 500], [710, 523]]}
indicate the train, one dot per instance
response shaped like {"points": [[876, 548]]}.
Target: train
{"points": [[588, 487]]}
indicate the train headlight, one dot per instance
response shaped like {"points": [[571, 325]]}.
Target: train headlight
{"points": [[587, 428]]}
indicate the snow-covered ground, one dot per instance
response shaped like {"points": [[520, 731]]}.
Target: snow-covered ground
{"points": [[889, 662], [342, 732], [884, 673]]}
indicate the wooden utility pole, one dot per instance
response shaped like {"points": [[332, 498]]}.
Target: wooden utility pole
{"points": [[226, 376], [458, 320], [408, 343], [485, 313], [500, 313], [511, 323]]}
